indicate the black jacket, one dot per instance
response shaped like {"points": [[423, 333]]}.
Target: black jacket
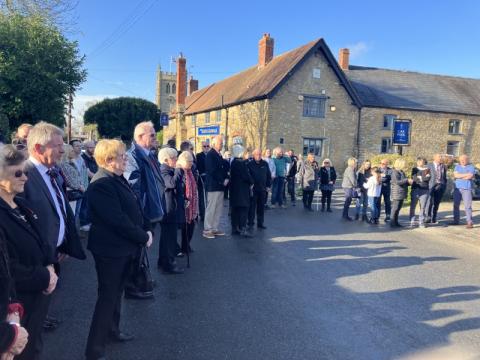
{"points": [[292, 171], [324, 175], [386, 179], [7, 331], [173, 194], [118, 224], [240, 183], [399, 185], [216, 170], [260, 172], [201, 163], [425, 178], [29, 254], [362, 178]]}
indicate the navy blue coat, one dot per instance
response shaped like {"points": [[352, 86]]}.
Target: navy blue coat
{"points": [[217, 171]]}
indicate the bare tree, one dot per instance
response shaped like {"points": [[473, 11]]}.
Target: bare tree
{"points": [[254, 121], [58, 12]]}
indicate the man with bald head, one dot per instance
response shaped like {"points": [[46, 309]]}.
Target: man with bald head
{"points": [[262, 180], [464, 173], [437, 186]]}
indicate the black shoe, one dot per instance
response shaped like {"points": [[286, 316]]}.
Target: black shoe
{"points": [[348, 218], [261, 226], [235, 232], [173, 271], [180, 254], [454, 223], [357, 216], [387, 218], [323, 209], [121, 337], [246, 234], [138, 295], [329, 210]]}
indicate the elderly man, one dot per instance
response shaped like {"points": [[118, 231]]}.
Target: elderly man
{"points": [[262, 180], [217, 179], [20, 139], [143, 174], [43, 191], [437, 186], [201, 156], [464, 173]]}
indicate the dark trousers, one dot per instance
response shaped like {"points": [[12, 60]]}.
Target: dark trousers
{"points": [[326, 198], [291, 188], [36, 309], [397, 206], [348, 201], [307, 198], [83, 215], [436, 194], [257, 202], [278, 187], [168, 245], [112, 274], [385, 194], [201, 197], [239, 218], [187, 234]]}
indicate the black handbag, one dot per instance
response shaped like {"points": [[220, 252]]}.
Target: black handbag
{"points": [[74, 195], [141, 279]]}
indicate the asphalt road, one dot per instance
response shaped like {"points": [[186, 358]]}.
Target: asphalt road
{"points": [[308, 287]]}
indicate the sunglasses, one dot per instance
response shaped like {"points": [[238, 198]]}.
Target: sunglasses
{"points": [[20, 144], [19, 173], [206, 146]]}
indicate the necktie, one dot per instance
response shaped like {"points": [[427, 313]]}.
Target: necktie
{"points": [[53, 174]]}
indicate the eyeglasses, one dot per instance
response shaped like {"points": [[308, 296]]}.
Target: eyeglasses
{"points": [[19, 173], [206, 146], [20, 144]]}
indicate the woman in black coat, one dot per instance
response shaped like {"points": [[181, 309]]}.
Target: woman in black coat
{"points": [[240, 192], [118, 231], [30, 263], [328, 177], [400, 184], [173, 200]]}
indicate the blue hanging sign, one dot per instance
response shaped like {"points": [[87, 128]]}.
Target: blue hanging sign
{"points": [[164, 119], [401, 132], [209, 130]]}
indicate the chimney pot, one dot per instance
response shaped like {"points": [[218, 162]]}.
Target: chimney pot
{"points": [[265, 50], [192, 85], [344, 59]]}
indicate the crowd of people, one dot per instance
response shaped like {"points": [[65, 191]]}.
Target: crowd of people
{"points": [[127, 199]]}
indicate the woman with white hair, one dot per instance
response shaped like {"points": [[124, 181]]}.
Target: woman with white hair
{"points": [[173, 195], [328, 176], [400, 184], [240, 192]]}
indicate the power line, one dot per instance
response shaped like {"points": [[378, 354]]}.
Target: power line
{"points": [[123, 28]]}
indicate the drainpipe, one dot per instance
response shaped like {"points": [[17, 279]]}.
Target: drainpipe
{"points": [[358, 132]]}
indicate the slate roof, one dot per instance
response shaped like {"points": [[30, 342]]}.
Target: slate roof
{"points": [[417, 91], [258, 83]]}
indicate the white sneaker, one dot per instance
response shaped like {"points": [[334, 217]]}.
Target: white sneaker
{"points": [[85, 228]]}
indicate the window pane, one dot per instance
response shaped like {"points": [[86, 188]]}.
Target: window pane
{"points": [[314, 106]]}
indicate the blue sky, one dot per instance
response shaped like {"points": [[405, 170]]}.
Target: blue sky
{"points": [[124, 41]]}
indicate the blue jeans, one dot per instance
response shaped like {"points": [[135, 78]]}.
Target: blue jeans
{"points": [[419, 196], [348, 201], [361, 203], [372, 206], [277, 190], [466, 196]]}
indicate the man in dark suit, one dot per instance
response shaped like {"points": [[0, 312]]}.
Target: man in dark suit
{"points": [[201, 156], [45, 195], [437, 187]]}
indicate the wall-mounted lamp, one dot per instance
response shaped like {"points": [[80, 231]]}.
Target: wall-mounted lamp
{"points": [[333, 108]]}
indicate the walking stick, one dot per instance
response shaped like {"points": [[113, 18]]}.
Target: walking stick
{"points": [[187, 244]]}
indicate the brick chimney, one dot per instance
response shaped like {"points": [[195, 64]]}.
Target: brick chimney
{"points": [[192, 85], [265, 50], [343, 59], [181, 80]]}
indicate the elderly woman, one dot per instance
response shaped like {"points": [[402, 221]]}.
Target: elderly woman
{"points": [[308, 178], [240, 191], [174, 198], [187, 211], [400, 184], [349, 185], [118, 230], [74, 184], [30, 261], [328, 176]]}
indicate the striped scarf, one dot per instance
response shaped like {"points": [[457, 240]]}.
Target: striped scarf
{"points": [[191, 197]]}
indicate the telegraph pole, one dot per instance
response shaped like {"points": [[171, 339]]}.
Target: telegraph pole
{"points": [[69, 117]]}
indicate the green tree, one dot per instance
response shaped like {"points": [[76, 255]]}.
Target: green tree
{"points": [[39, 68], [118, 117]]}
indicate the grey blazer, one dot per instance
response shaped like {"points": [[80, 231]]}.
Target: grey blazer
{"points": [[433, 178], [37, 195]]}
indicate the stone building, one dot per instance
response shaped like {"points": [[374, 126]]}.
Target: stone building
{"points": [[307, 101]]}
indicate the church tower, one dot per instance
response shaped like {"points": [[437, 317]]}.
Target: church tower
{"points": [[166, 88]]}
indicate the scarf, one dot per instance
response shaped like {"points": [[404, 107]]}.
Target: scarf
{"points": [[191, 197]]}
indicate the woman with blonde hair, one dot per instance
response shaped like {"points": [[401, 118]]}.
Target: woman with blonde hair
{"points": [[328, 176], [400, 184], [308, 178], [349, 185]]}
